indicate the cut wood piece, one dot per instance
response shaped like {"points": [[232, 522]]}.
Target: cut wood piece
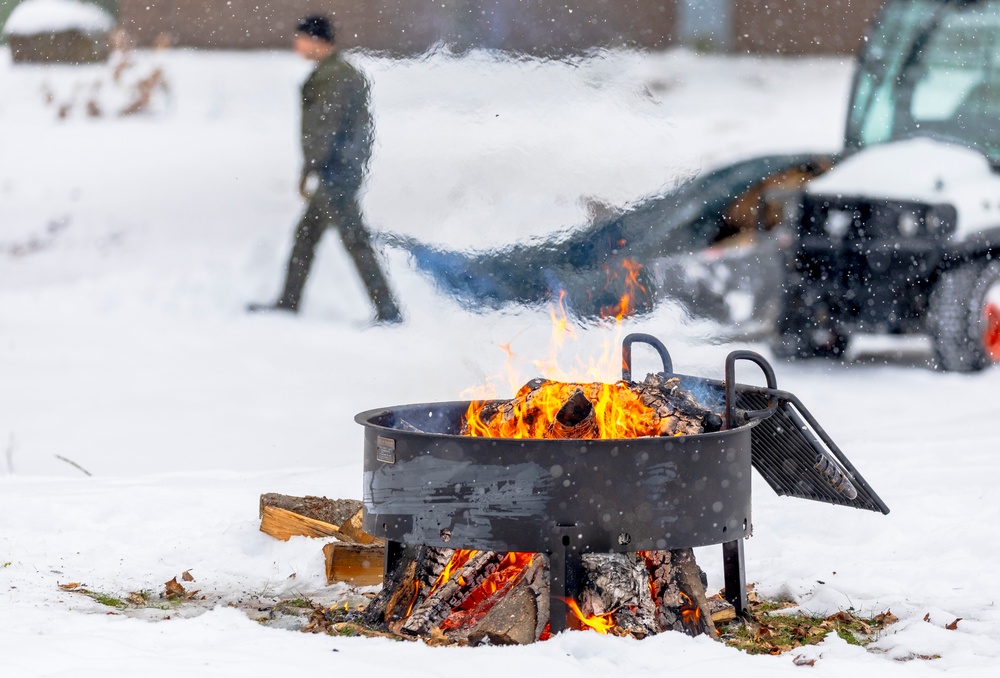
{"points": [[331, 511], [521, 614], [618, 584], [357, 564], [679, 592], [399, 590], [352, 529], [440, 603], [721, 610], [678, 412], [282, 524]]}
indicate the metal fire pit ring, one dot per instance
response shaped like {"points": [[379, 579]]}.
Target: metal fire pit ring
{"points": [[496, 494], [425, 484]]}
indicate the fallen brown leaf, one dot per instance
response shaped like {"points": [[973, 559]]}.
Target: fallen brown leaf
{"points": [[927, 617], [70, 586], [799, 660], [954, 625], [172, 589], [187, 576], [887, 618], [137, 598]]}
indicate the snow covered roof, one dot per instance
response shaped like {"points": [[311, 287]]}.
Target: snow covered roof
{"points": [[33, 17]]}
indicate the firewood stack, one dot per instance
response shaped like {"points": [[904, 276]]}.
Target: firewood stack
{"points": [[356, 558]]}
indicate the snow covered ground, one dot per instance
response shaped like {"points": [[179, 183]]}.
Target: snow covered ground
{"points": [[129, 247]]}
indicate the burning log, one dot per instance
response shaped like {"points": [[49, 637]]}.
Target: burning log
{"points": [[617, 585], [450, 593], [522, 613], [679, 592], [399, 592], [503, 598], [547, 409], [677, 410]]}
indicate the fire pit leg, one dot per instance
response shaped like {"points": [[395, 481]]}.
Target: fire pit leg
{"points": [[394, 553], [565, 564], [735, 575]]}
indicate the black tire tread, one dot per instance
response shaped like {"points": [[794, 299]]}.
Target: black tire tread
{"points": [[955, 316]]}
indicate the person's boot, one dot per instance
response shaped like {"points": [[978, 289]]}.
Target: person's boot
{"points": [[279, 305]]}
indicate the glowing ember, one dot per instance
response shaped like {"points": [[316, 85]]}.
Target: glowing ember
{"points": [[479, 601], [690, 612]]}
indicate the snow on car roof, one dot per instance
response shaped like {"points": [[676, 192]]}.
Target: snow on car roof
{"points": [[32, 17]]}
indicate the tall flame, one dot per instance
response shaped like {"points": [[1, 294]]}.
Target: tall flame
{"points": [[617, 411]]}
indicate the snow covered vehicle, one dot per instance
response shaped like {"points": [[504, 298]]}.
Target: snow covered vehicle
{"points": [[902, 236], [898, 234]]}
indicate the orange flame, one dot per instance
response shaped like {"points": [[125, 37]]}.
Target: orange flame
{"points": [[602, 623], [564, 361], [690, 613], [616, 412]]}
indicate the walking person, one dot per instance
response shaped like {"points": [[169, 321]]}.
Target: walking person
{"points": [[336, 146]]}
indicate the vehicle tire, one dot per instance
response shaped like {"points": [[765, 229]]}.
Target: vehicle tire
{"points": [[964, 317]]}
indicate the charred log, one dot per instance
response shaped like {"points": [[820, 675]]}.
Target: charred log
{"points": [[679, 592], [446, 597], [521, 614], [399, 591], [575, 419], [544, 409], [679, 412], [617, 584]]}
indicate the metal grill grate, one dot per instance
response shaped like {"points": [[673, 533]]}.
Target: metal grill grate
{"points": [[797, 459]]}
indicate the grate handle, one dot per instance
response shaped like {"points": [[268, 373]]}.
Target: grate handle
{"points": [[772, 385], [649, 339]]}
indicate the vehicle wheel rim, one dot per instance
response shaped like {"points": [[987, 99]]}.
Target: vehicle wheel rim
{"points": [[991, 330]]}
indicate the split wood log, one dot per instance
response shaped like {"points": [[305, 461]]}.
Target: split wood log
{"points": [[618, 584], [352, 529], [677, 409], [679, 592], [575, 419], [449, 595], [330, 511], [399, 592], [357, 564], [522, 613], [282, 524], [721, 610]]}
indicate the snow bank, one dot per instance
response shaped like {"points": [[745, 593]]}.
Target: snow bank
{"points": [[33, 17]]}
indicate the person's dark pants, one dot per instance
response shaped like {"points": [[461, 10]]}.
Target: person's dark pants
{"points": [[338, 211]]}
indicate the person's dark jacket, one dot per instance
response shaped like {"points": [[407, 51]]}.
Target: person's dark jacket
{"points": [[336, 124]]}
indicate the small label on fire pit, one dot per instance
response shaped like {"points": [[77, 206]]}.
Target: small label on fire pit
{"points": [[385, 450]]}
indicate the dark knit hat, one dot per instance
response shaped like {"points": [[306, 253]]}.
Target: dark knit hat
{"points": [[316, 26]]}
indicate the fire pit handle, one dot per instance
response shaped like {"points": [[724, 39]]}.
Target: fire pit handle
{"points": [[668, 364], [772, 385]]}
